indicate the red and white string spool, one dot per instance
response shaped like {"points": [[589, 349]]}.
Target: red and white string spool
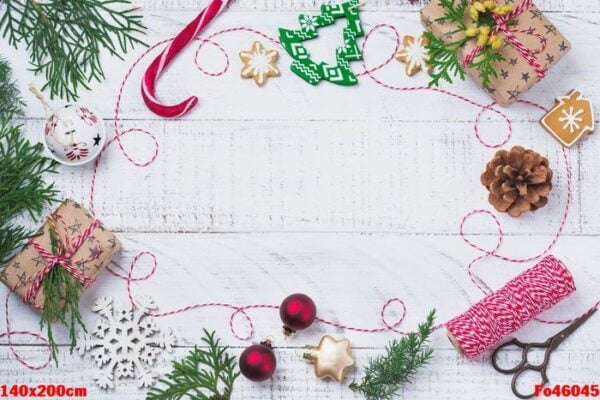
{"points": [[503, 312], [157, 66]]}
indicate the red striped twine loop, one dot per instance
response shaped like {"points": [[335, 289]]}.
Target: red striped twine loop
{"points": [[157, 66], [240, 312], [502, 26], [519, 301], [66, 250]]}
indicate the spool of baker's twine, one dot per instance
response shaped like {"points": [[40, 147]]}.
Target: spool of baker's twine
{"points": [[503, 312]]}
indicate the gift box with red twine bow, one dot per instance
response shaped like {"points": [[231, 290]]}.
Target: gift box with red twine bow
{"points": [[71, 239], [533, 46]]}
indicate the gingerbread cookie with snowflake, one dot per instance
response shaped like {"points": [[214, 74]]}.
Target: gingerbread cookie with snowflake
{"points": [[570, 119], [414, 55], [125, 343], [259, 63]]}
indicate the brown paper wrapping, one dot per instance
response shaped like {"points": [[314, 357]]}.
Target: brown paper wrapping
{"points": [[515, 75], [21, 270]]}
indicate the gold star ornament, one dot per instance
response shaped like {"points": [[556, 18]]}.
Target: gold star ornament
{"points": [[414, 55], [259, 63], [331, 358]]}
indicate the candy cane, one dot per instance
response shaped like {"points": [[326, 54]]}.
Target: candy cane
{"points": [[157, 66]]}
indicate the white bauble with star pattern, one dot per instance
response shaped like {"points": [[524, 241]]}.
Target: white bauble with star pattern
{"points": [[74, 134]]}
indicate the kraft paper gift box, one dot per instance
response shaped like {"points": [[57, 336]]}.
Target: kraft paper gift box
{"points": [[515, 75], [96, 251]]}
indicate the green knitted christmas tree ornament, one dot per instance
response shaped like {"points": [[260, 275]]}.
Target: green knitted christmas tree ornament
{"points": [[307, 69]]}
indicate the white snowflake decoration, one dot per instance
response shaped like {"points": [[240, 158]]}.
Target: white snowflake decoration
{"points": [[124, 343], [308, 23], [571, 119]]}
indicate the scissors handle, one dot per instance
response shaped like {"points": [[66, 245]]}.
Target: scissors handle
{"points": [[524, 363], [549, 345], [539, 368], [513, 342]]}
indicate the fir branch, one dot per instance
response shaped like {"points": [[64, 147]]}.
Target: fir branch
{"points": [[11, 238], [22, 186], [386, 374], [203, 375], [24, 191], [65, 38], [454, 12], [11, 104], [484, 64], [61, 301], [443, 58]]}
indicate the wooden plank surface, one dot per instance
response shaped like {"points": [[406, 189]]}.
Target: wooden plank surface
{"points": [[368, 176], [564, 6], [259, 193], [426, 271], [229, 98]]}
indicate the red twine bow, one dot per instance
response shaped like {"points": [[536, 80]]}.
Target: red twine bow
{"points": [[67, 247], [502, 26]]}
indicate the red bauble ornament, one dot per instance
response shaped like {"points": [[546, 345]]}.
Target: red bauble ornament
{"points": [[297, 311], [257, 362]]}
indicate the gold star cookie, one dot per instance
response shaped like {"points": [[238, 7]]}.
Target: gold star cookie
{"points": [[414, 55], [259, 63]]}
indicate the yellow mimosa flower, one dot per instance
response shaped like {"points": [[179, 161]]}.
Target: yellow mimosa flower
{"points": [[496, 42], [489, 4], [479, 6], [472, 31], [474, 13]]}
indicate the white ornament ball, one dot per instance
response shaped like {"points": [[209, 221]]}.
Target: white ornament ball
{"points": [[74, 134]]}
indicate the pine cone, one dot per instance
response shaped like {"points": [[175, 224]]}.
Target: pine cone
{"points": [[519, 180]]}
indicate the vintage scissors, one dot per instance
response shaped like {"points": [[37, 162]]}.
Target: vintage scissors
{"points": [[550, 345]]}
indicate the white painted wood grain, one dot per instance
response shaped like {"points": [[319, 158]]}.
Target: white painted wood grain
{"points": [[409, 177], [304, 164], [565, 6], [350, 276], [448, 377], [230, 98], [353, 195]]}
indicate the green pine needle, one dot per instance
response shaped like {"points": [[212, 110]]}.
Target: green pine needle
{"points": [[24, 191], [203, 375], [454, 12], [386, 374], [22, 187], [61, 301], [443, 57], [65, 38], [11, 104], [484, 64]]}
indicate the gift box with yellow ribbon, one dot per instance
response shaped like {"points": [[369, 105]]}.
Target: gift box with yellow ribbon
{"points": [[506, 47]]}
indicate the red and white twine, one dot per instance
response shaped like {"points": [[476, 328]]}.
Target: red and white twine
{"points": [[148, 90], [67, 247], [504, 311]]}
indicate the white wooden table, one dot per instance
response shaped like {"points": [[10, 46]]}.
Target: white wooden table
{"points": [[351, 195]]}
